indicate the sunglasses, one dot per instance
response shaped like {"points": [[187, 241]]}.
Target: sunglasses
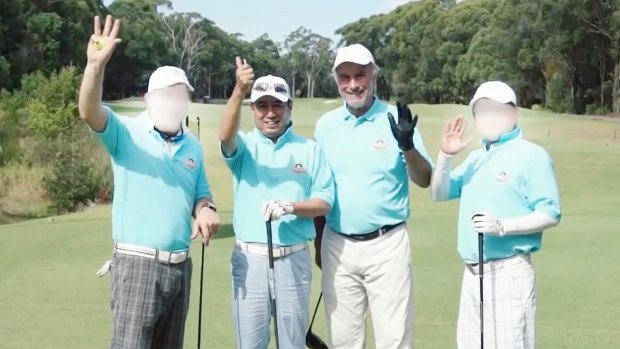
{"points": [[264, 87]]}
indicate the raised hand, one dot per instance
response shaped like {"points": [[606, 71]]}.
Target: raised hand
{"points": [[244, 75], [103, 43], [452, 138], [403, 131]]}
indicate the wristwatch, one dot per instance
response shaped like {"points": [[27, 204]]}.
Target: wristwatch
{"points": [[210, 206]]}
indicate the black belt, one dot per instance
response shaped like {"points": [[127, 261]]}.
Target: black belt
{"points": [[373, 234]]}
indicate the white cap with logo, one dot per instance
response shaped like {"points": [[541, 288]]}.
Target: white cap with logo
{"points": [[167, 76], [270, 85], [495, 90], [355, 53]]}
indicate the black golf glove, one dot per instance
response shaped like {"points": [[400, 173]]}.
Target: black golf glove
{"points": [[403, 131]]}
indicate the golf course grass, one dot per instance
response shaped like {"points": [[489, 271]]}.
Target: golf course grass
{"points": [[51, 298]]}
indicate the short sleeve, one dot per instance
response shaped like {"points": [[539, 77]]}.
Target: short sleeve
{"points": [[541, 188], [322, 179], [233, 161], [113, 134]]}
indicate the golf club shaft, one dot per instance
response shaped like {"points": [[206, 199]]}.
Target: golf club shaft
{"points": [[315, 311], [198, 118], [481, 277], [272, 284], [202, 268]]}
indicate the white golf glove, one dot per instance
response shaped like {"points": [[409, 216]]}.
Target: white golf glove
{"points": [[487, 224], [274, 209]]}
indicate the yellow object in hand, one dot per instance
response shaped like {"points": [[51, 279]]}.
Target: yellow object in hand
{"points": [[99, 44]]}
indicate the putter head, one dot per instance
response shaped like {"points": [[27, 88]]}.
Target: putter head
{"points": [[314, 342]]}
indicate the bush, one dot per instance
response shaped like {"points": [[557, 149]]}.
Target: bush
{"points": [[73, 181], [537, 107], [22, 194]]}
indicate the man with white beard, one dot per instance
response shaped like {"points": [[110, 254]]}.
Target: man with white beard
{"points": [[159, 183], [508, 192], [363, 243]]}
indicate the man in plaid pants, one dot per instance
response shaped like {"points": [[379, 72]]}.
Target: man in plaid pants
{"points": [[159, 183]]}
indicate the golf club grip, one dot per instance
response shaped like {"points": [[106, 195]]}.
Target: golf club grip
{"points": [[269, 243]]}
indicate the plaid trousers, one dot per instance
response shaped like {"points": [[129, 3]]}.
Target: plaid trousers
{"points": [[149, 302], [509, 305]]}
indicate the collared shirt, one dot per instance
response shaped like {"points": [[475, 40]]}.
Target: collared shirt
{"points": [[372, 186], [508, 179], [156, 183], [291, 169]]}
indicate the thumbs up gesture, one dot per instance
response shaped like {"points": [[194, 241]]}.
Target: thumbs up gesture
{"points": [[244, 74]]}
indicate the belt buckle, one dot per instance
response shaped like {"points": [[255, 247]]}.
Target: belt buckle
{"points": [[162, 260], [381, 231]]}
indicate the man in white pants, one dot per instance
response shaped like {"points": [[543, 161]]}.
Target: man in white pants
{"points": [[365, 251], [508, 192]]}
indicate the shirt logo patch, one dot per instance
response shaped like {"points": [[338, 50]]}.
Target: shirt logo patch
{"points": [[190, 163], [502, 177], [379, 144], [299, 168]]}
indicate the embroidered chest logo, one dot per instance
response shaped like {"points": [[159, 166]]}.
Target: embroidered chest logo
{"points": [[502, 177], [190, 163], [379, 144], [299, 168]]}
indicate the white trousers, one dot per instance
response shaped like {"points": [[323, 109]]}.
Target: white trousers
{"points": [[509, 305], [359, 274]]}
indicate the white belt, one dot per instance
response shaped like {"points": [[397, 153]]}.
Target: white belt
{"points": [[158, 255], [263, 250]]}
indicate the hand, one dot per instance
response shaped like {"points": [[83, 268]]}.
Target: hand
{"points": [[102, 44], [274, 209], [403, 132], [452, 137], [244, 75], [487, 224], [207, 224]]}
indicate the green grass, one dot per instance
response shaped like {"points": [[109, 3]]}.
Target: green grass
{"points": [[51, 298]]}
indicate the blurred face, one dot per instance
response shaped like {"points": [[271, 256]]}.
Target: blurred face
{"points": [[355, 83], [271, 116], [168, 107], [494, 119]]}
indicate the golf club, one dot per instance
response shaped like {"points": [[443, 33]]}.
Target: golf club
{"points": [[312, 340], [202, 264], [202, 269], [272, 285], [480, 275]]}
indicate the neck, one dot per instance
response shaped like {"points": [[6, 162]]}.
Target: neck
{"points": [[361, 111]]}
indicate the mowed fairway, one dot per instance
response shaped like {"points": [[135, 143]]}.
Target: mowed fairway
{"points": [[51, 298]]}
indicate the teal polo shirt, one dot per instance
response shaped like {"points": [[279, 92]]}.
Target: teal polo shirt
{"points": [[156, 184], [291, 169], [372, 186], [513, 178]]}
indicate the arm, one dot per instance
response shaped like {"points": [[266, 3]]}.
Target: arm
{"points": [[99, 50], [418, 168], [440, 180], [230, 123], [89, 103], [311, 208], [541, 190], [232, 114], [319, 226]]}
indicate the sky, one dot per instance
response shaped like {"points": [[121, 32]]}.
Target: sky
{"points": [[278, 18]]}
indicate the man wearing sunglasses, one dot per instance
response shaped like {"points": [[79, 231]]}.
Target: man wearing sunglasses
{"points": [[507, 192], [281, 177], [364, 251]]}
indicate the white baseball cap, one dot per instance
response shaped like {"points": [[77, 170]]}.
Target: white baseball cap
{"points": [[495, 90], [355, 53], [167, 76], [270, 85]]}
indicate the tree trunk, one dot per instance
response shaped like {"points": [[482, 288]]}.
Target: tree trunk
{"points": [[615, 97]]}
